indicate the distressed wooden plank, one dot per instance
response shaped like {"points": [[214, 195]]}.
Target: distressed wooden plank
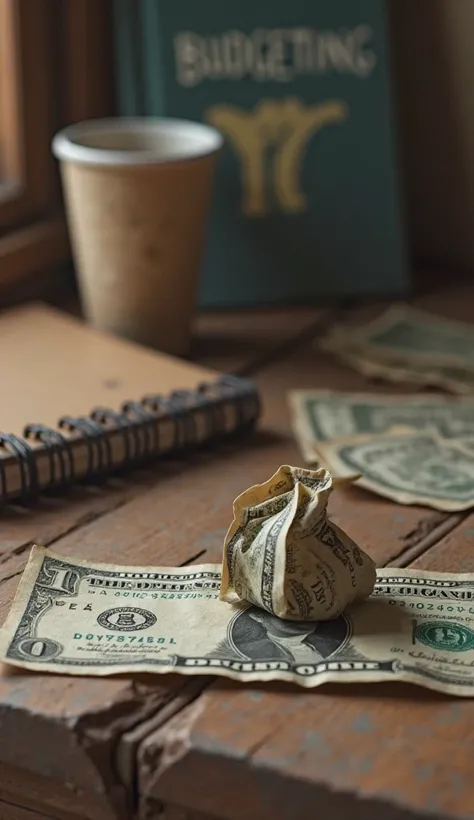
{"points": [[10, 812], [186, 516], [26, 801], [369, 752], [366, 752], [386, 751], [76, 725], [270, 752], [51, 518], [153, 810], [452, 526], [454, 553], [182, 517], [65, 713]]}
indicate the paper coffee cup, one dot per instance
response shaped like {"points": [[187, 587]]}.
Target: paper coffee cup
{"points": [[137, 195]]}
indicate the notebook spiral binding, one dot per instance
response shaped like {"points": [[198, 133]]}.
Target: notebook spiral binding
{"points": [[198, 418]]}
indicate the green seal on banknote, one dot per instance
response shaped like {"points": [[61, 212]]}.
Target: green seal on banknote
{"points": [[445, 635]]}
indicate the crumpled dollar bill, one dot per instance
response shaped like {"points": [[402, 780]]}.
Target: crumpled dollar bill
{"points": [[283, 554]]}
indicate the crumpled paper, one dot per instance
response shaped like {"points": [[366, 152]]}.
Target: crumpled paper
{"points": [[281, 552]]}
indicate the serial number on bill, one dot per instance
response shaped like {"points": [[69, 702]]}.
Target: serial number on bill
{"points": [[466, 610], [155, 595], [149, 639]]}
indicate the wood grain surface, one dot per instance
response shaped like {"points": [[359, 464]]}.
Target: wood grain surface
{"points": [[195, 749], [11, 812]]}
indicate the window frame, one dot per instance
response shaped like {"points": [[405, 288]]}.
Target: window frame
{"points": [[27, 110], [59, 70]]}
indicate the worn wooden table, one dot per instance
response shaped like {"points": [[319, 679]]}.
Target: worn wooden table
{"points": [[190, 749]]}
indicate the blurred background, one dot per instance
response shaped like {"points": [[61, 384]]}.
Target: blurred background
{"points": [[404, 155]]}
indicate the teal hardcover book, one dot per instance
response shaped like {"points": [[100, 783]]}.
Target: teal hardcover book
{"points": [[307, 201]]}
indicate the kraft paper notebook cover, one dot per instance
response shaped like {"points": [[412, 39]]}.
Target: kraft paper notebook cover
{"points": [[79, 405]]}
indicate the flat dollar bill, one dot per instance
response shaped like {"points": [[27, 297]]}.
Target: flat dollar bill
{"points": [[409, 468], [74, 617], [322, 415], [403, 332]]}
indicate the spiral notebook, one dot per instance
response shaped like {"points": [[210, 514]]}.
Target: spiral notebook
{"points": [[79, 405]]}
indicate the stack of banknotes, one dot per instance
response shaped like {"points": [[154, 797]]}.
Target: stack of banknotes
{"points": [[412, 449], [408, 345]]}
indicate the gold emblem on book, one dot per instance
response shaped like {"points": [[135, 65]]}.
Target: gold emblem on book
{"points": [[284, 127]]}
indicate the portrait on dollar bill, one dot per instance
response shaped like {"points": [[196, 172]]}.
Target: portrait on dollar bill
{"points": [[254, 634]]}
